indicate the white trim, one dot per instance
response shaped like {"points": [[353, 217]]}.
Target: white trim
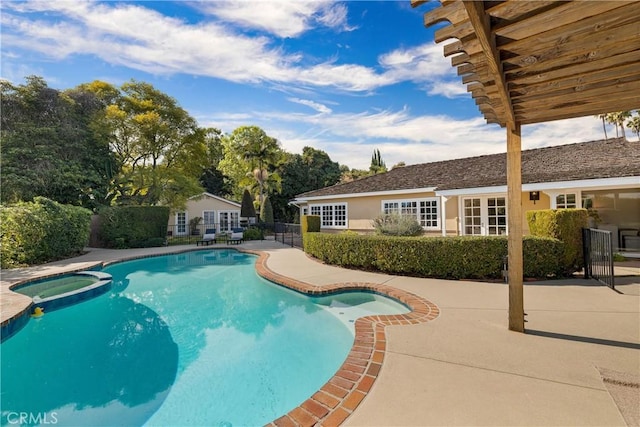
{"points": [[367, 194], [592, 184], [443, 215], [346, 214], [418, 200], [213, 196]]}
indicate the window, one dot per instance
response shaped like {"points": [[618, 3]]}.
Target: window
{"points": [[390, 208], [181, 223], [209, 217], [482, 216], [424, 210], [429, 213], [331, 215], [566, 201], [497, 215], [305, 211], [229, 220]]}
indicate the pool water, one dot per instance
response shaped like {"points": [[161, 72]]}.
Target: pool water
{"points": [[53, 287], [189, 339]]}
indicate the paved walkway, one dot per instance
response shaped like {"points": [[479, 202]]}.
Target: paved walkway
{"points": [[578, 363]]}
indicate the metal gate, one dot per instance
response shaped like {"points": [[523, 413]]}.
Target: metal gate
{"points": [[598, 255]]}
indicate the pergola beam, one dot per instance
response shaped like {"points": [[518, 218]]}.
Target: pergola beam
{"points": [[480, 22]]}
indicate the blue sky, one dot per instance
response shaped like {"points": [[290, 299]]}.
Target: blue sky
{"points": [[343, 77]]}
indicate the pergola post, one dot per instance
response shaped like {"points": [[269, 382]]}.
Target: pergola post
{"points": [[514, 222]]}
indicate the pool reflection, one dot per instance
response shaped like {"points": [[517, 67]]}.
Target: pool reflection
{"points": [[124, 350]]}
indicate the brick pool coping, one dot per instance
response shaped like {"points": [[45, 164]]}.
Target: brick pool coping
{"points": [[341, 395]]}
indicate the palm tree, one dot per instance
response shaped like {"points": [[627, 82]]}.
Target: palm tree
{"points": [[634, 123], [604, 127], [618, 119]]}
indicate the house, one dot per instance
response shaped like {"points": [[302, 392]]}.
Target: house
{"points": [[205, 211], [468, 196]]}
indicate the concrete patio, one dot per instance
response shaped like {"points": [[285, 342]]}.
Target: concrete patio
{"points": [[577, 364]]}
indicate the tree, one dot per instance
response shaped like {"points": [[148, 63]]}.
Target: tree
{"points": [[603, 117], [49, 148], [212, 179], [312, 170], [160, 149], [618, 119], [322, 171], [634, 123], [266, 211], [251, 159], [247, 209], [377, 164]]}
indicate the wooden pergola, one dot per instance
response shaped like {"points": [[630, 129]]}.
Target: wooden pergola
{"points": [[530, 62]]}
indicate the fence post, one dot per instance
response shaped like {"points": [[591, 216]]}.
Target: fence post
{"points": [[586, 252]]}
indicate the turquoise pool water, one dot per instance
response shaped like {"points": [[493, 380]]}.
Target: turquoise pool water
{"points": [[180, 340]]}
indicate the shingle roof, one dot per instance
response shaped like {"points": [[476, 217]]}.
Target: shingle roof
{"points": [[586, 160]]}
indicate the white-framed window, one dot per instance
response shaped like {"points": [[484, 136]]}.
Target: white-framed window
{"points": [[228, 220], [426, 211], [566, 201], [429, 217], [484, 216], [209, 217], [305, 210], [181, 223], [332, 215]]}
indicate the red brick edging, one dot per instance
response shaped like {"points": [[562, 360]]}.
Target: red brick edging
{"points": [[342, 394]]}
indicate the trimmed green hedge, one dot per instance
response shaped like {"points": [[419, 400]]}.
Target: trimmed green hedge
{"points": [[441, 257], [133, 226], [309, 224], [565, 225], [41, 231]]}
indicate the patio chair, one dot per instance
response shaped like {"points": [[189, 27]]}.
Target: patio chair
{"points": [[208, 237], [237, 236]]}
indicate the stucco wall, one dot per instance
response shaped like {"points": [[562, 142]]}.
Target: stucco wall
{"points": [[361, 210]]}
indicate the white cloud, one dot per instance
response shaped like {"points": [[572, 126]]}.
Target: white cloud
{"points": [[143, 39], [321, 108], [351, 138], [282, 18]]}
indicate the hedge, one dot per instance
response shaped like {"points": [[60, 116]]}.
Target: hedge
{"points": [[439, 257], [309, 224], [565, 225], [133, 226], [41, 231]]}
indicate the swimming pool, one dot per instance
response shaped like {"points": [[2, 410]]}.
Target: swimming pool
{"points": [[190, 339]]}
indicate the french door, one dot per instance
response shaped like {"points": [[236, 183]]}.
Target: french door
{"points": [[484, 216]]}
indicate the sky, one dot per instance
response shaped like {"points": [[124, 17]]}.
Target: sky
{"points": [[343, 77]]}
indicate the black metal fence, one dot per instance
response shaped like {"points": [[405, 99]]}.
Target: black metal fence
{"points": [[288, 234], [598, 255]]}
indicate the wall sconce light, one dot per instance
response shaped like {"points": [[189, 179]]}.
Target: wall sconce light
{"points": [[534, 195]]}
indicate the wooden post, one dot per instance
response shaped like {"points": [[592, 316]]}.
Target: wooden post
{"points": [[514, 212]]}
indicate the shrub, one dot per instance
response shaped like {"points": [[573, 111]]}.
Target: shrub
{"points": [[441, 257], [40, 231], [133, 226], [309, 224], [565, 225], [266, 211], [397, 225], [253, 233]]}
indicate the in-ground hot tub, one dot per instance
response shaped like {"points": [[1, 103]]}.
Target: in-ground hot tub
{"points": [[58, 292]]}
